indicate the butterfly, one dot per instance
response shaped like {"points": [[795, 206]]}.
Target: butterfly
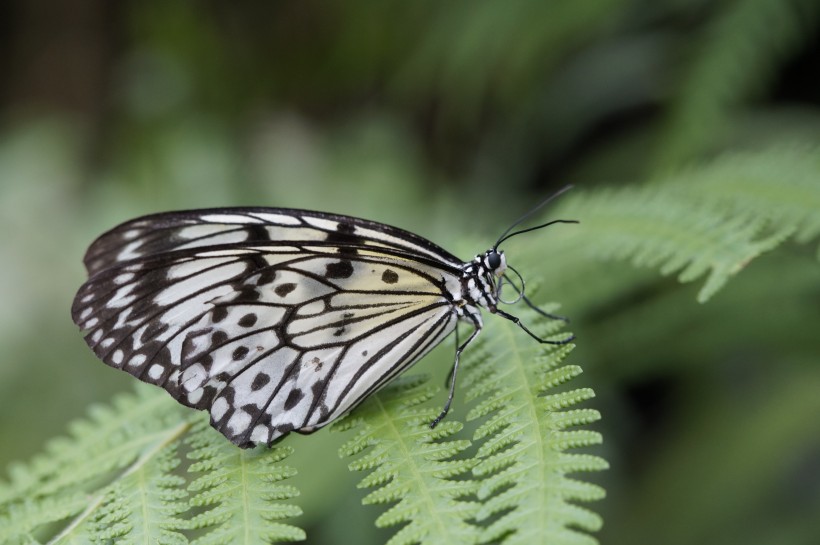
{"points": [[277, 320]]}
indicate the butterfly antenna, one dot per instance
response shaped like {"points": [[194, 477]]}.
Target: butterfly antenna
{"points": [[506, 234]]}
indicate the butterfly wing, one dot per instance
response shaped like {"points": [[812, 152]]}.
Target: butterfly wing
{"points": [[271, 326], [237, 227]]}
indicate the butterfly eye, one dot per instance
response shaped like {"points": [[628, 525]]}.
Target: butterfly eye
{"points": [[493, 260]]}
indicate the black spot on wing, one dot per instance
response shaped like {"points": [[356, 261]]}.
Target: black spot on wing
{"points": [[390, 276], [247, 294], [341, 269], [219, 313], [248, 320], [345, 227], [283, 289], [265, 276], [293, 399], [206, 361], [259, 381], [257, 233], [285, 428], [345, 239], [240, 353], [318, 390]]}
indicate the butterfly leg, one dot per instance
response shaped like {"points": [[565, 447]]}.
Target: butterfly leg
{"points": [[454, 372], [517, 321], [543, 312]]}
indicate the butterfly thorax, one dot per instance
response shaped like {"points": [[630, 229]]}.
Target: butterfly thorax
{"points": [[479, 279]]}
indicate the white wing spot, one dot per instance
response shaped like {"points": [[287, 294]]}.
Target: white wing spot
{"points": [[219, 408], [194, 377], [121, 298], [107, 342], [123, 278], [198, 231], [229, 218], [124, 302], [260, 434], [117, 356], [322, 223], [137, 360], [195, 396], [155, 371], [129, 252], [240, 420], [277, 218], [91, 323], [97, 335], [84, 314], [311, 308], [226, 253]]}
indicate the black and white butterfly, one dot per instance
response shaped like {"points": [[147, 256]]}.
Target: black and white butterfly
{"points": [[277, 320]]}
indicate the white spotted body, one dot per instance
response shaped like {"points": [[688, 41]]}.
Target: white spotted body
{"points": [[274, 320]]}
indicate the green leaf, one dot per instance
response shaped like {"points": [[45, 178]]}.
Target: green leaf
{"points": [[408, 463], [144, 505], [709, 221], [76, 475], [241, 491], [528, 428], [118, 478]]}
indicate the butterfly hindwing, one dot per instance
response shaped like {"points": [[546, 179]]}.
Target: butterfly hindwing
{"points": [[269, 335]]}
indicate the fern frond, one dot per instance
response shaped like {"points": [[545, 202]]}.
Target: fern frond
{"points": [[75, 474], [117, 479], [413, 465], [737, 56], [526, 429], [240, 491], [144, 506], [22, 518], [780, 185], [710, 221]]}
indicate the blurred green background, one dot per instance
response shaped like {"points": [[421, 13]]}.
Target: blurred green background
{"points": [[448, 119]]}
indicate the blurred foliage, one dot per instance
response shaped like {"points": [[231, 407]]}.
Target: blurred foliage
{"points": [[449, 119]]}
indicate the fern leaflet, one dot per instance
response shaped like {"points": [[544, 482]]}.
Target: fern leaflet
{"points": [[119, 479], [413, 465], [712, 220], [71, 481], [526, 431], [240, 491]]}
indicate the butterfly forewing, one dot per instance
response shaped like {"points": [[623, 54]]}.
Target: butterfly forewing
{"points": [[274, 320], [161, 233]]}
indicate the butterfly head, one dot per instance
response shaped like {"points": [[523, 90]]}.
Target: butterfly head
{"points": [[495, 262]]}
